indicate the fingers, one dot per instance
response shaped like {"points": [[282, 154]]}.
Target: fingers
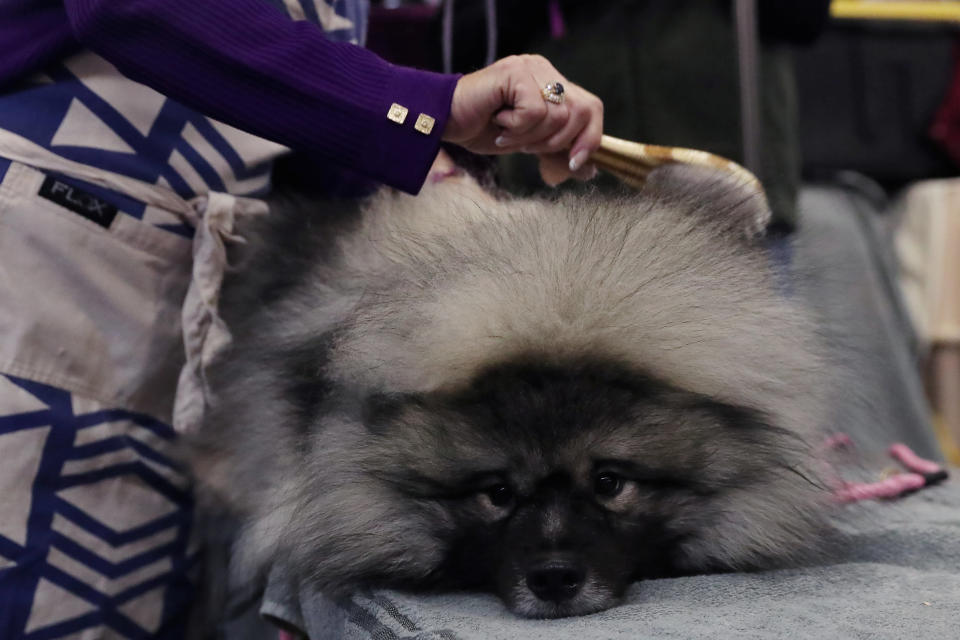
{"points": [[532, 119], [502, 98], [525, 106], [536, 129], [555, 169], [500, 109], [550, 139], [575, 125], [588, 139]]}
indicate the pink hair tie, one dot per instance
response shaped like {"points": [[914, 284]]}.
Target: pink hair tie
{"points": [[902, 454], [923, 473], [892, 487]]}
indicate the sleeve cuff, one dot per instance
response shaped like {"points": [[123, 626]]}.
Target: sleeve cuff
{"points": [[402, 154]]}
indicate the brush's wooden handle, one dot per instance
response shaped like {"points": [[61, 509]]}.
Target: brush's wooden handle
{"points": [[632, 161]]}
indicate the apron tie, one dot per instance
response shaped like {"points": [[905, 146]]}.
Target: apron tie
{"points": [[214, 216]]}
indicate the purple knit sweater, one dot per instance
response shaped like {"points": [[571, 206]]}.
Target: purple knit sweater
{"points": [[246, 63]]}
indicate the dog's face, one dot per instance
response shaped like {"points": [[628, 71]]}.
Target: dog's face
{"points": [[557, 488]]}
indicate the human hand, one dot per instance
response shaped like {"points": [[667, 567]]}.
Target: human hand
{"points": [[499, 109]]}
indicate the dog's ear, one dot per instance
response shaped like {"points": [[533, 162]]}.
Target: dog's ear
{"points": [[726, 200]]}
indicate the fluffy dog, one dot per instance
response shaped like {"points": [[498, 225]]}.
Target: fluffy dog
{"points": [[548, 399]]}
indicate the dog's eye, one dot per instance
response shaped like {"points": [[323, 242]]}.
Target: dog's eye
{"points": [[607, 485], [500, 495]]}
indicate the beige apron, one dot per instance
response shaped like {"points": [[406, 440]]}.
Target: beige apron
{"points": [[106, 325]]}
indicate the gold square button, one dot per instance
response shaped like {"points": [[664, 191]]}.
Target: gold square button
{"points": [[397, 113], [424, 124]]}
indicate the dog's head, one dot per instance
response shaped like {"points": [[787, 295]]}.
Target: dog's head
{"points": [[557, 487]]}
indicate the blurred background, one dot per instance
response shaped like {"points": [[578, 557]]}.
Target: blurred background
{"points": [[849, 111]]}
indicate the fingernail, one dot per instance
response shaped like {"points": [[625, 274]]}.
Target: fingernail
{"points": [[593, 172], [578, 159], [500, 141]]}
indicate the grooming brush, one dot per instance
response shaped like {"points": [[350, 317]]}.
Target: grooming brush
{"points": [[632, 161]]}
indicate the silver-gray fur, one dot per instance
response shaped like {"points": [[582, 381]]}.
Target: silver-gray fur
{"points": [[336, 309]]}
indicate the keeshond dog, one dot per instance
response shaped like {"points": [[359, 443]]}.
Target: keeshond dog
{"points": [[548, 399]]}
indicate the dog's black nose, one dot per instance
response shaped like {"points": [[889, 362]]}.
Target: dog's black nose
{"points": [[555, 581]]}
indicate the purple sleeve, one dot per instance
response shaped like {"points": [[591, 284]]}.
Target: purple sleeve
{"points": [[246, 63]]}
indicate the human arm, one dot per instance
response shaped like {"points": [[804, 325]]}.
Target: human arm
{"points": [[246, 63]]}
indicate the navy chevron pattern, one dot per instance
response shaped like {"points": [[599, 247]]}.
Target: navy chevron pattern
{"points": [[95, 518], [99, 537], [83, 109], [342, 20]]}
